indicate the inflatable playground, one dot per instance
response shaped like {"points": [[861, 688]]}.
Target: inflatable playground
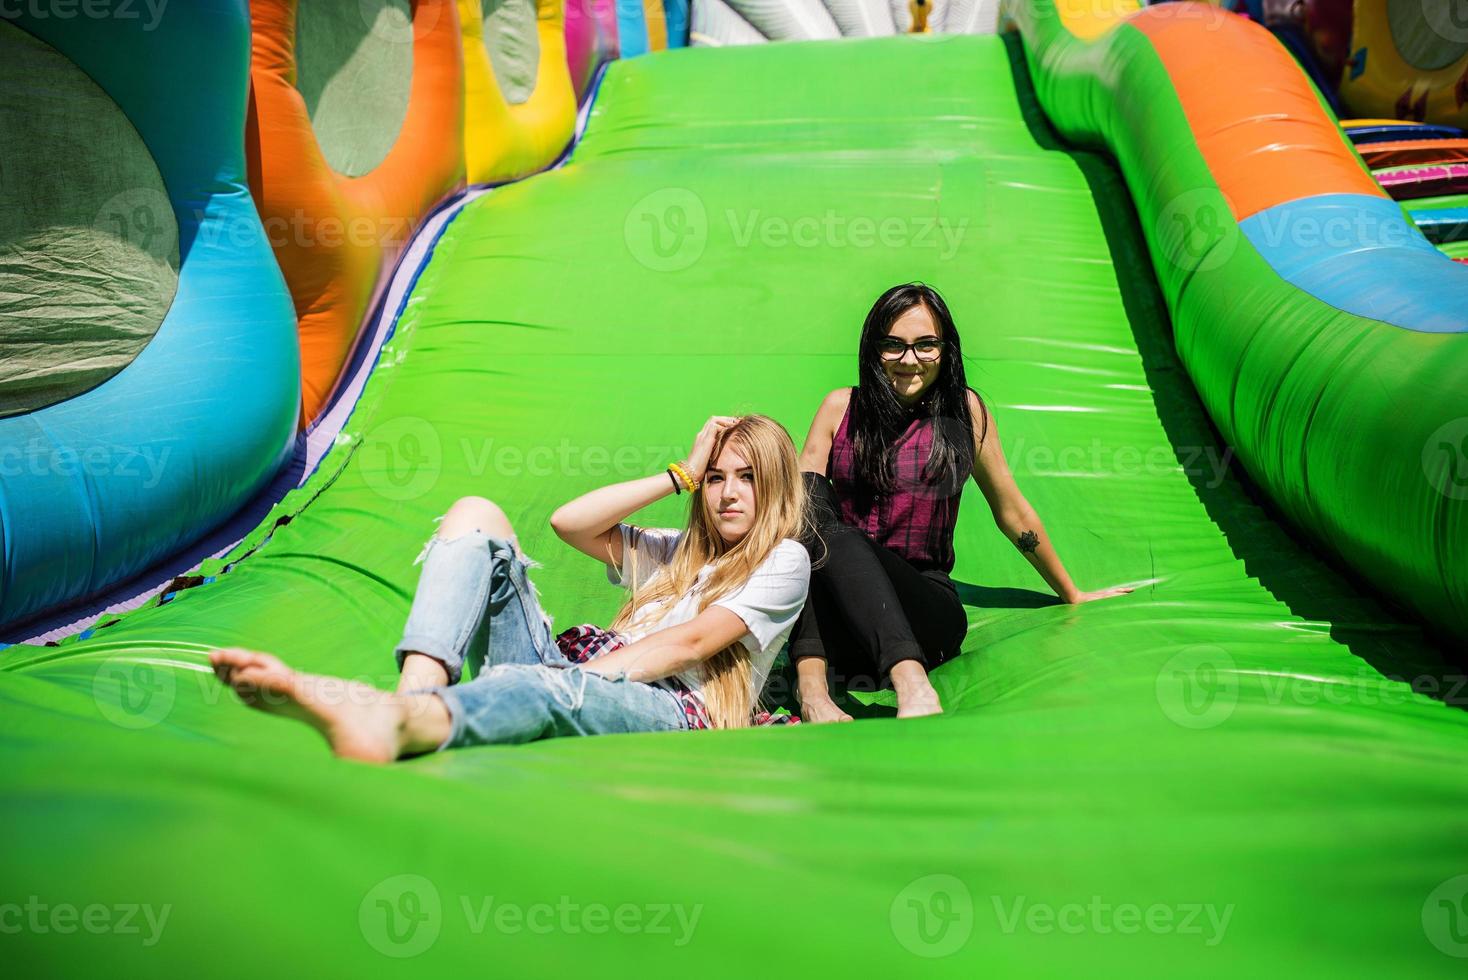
{"points": [[280, 280]]}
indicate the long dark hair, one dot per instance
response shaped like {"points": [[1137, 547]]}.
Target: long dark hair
{"points": [[878, 417]]}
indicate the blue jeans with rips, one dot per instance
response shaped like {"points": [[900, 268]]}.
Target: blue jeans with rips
{"points": [[475, 600]]}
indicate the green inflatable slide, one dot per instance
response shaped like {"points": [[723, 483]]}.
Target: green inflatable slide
{"points": [[1253, 764]]}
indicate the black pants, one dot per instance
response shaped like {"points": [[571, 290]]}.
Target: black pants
{"points": [[868, 607]]}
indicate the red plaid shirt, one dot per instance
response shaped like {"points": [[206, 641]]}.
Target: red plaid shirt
{"points": [[918, 518], [587, 642]]}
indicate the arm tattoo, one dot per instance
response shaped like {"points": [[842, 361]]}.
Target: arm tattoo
{"points": [[1028, 542]]}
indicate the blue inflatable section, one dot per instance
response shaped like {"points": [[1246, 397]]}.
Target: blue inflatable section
{"points": [[1355, 252], [1439, 224], [675, 13], [631, 28], [96, 489], [1405, 131]]}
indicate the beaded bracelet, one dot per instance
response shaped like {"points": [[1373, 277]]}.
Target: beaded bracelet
{"points": [[683, 475]]}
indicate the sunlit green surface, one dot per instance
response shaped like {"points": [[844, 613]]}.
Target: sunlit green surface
{"points": [[1209, 776]]}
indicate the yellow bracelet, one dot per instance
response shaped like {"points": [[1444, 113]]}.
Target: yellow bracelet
{"points": [[683, 475]]}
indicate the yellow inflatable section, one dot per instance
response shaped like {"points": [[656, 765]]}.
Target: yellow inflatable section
{"points": [[504, 140], [1089, 19], [657, 25], [1409, 61]]}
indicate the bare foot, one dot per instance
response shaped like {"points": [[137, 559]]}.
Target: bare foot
{"points": [[819, 711], [915, 694], [357, 720]]}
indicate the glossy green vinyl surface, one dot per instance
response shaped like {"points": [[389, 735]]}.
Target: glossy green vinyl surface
{"points": [[1225, 772]]}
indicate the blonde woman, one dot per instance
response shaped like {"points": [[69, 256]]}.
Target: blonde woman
{"points": [[708, 609]]}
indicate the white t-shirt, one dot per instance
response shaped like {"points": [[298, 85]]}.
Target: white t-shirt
{"points": [[768, 603]]}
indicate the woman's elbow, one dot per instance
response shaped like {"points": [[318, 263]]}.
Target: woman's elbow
{"points": [[560, 523]]}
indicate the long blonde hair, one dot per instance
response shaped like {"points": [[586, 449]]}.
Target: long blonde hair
{"points": [[780, 512]]}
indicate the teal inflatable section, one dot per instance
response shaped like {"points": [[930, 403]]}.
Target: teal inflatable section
{"points": [[97, 488]]}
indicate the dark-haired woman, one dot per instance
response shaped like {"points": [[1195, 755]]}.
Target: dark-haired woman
{"points": [[885, 463]]}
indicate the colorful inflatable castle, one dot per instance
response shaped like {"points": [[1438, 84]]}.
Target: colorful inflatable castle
{"points": [[280, 280]]}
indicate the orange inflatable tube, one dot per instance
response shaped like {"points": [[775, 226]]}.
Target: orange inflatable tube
{"points": [[1303, 153], [335, 236], [1410, 153]]}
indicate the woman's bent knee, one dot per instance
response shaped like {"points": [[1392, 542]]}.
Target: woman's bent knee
{"points": [[476, 514]]}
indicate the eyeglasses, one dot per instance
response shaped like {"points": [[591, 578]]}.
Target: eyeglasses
{"points": [[926, 349]]}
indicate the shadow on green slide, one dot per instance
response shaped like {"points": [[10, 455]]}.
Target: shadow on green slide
{"points": [[1227, 770]]}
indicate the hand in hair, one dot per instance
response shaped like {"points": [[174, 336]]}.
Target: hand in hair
{"points": [[704, 443]]}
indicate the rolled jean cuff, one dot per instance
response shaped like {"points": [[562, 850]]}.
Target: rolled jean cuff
{"points": [[451, 703], [429, 646]]}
